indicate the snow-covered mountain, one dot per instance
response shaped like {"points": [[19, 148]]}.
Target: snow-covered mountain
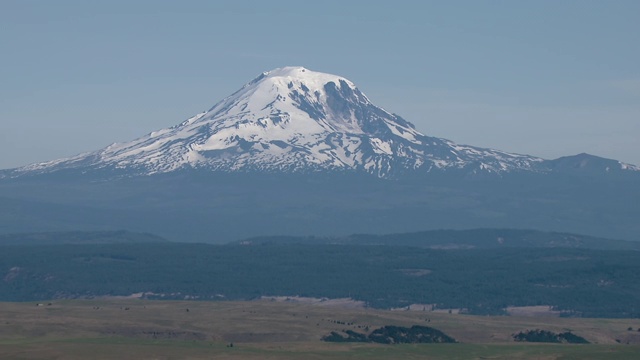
{"points": [[300, 152], [293, 120]]}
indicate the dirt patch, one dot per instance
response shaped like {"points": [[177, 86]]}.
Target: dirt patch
{"points": [[155, 334], [416, 307], [533, 311], [347, 303]]}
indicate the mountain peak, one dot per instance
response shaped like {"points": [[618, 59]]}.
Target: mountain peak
{"points": [[299, 77], [291, 90], [293, 119], [292, 73]]}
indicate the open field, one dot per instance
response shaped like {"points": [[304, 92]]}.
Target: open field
{"points": [[132, 328]]}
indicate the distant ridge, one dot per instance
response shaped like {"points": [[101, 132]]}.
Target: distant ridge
{"points": [[79, 237], [460, 239]]}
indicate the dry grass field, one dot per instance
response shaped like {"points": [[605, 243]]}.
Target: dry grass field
{"points": [[140, 329]]}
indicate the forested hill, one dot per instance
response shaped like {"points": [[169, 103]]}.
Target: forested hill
{"points": [[576, 282]]}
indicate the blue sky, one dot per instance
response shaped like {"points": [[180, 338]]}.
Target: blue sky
{"points": [[546, 78]]}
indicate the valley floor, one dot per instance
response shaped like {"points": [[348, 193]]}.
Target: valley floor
{"points": [[133, 328]]}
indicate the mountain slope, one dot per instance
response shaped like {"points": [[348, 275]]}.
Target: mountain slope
{"points": [[293, 120]]}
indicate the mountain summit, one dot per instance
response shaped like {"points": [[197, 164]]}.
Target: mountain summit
{"points": [[293, 119]]}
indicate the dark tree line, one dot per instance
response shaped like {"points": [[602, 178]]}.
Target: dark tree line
{"points": [[580, 282]]}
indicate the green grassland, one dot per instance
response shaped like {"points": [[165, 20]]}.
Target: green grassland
{"points": [[145, 329]]}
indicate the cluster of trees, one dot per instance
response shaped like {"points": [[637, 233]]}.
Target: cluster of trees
{"points": [[581, 282], [546, 336], [350, 336], [394, 335]]}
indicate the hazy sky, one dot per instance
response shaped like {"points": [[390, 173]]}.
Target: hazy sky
{"points": [[546, 78]]}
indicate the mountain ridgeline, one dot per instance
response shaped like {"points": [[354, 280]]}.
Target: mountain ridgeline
{"points": [[458, 240], [300, 152], [79, 238]]}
